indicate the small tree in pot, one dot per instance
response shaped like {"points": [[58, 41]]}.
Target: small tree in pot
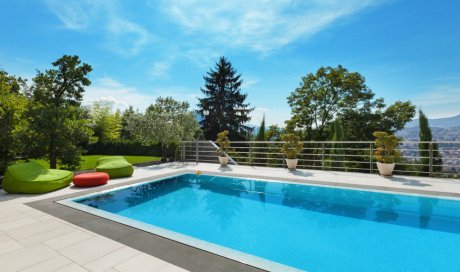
{"points": [[224, 146], [386, 153], [291, 148]]}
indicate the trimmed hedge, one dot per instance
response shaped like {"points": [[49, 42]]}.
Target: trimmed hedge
{"points": [[129, 148]]}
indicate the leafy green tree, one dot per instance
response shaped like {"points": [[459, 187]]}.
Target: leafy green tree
{"points": [[57, 124], [12, 106], [125, 133], [224, 107], [274, 133], [332, 92], [166, 122], [105, 121], [425, 135], [337, 147]]}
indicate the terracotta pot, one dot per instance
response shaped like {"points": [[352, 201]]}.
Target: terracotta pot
{"points": [[223, 161], [386, 169], [292, 163]]}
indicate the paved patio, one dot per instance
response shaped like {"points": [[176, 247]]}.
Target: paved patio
{"points": [[31, 240]]}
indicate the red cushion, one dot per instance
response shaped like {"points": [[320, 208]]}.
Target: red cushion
{"points": [[90, 179]]}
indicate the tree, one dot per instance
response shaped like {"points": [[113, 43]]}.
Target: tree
{"points": [[166, 122], [56, 120], [224, 107], [12, 106], [259, 147], [125, 134], [104, 121], [274, 133], [425, 135], [332, 92], [337, 147]]}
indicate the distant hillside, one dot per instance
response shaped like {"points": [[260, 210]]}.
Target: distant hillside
{"points": [[439, 133], [447, 122]]}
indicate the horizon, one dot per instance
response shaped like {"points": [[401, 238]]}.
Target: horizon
{"points": [[140, 51]]}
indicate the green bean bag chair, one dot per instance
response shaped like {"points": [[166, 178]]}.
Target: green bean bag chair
{"points": [[116, 166], [32, 178]]}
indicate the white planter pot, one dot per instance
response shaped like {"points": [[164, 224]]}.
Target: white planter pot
{"points": [[223, 161], [386, 169], [292, 163]]}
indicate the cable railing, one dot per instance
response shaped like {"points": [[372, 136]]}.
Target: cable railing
{"points": [[350, 156]]}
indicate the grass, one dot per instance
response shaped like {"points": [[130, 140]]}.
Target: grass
{"points": [[89, 161]]}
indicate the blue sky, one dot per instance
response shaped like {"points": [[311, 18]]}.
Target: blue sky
{"points": [[139, 50]]}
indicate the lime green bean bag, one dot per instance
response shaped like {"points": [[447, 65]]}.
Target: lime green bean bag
{"points": [[32, 178], [116, 166]]}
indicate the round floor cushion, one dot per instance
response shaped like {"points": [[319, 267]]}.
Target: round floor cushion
{"points": [[90, 179]]}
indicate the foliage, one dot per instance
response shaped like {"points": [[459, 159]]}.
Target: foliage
{"points": [[274, 133], [129, 148], [337, 147], [332, 92], [166, 122], [57, 124], [104, 121], [223, 142], [125, 134], [386, 145], [12, 106], [261, 133], [258, 149], [424, 148], [292, 145], [224, 106]]}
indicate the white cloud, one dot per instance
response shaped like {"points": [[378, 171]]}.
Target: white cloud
{"points": [[273, 116], [260, 25], [160, 69], [440, 101], [123, 36], [202, 57], [121, 95]]}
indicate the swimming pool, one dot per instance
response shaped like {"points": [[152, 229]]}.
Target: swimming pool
{"points": [[282, 225]]}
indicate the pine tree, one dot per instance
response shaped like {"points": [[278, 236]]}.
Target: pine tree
{"points": [[261, 134], [425, 135], [224, 106], [259, 147]]}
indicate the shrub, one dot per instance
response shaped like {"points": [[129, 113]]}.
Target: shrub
{"points": [[386, 147], [292, 145]]}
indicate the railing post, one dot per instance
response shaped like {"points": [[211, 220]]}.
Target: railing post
{"points": [[371, 158], [431, 159], [196, 152], [183, 151], [250, 153], [322, 156]]}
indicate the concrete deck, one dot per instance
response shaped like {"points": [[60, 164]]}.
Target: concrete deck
{"points": [[31, 240]]}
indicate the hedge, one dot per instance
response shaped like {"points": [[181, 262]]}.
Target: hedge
{"points": [[129, 148]]}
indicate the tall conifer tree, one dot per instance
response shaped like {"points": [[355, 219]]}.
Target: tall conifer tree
{"points": [[425, 135], [224, 106]]}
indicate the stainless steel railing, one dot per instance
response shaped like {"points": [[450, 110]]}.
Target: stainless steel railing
{"points": [[351, 156]]}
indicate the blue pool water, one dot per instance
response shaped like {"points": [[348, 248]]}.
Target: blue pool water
{"points": [[311, 228]]}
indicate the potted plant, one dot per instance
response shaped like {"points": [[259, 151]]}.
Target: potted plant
{"points": [[386, 152], [224, 146], [291, 148]]}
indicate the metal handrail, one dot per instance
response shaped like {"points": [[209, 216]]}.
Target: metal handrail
{"points": [[320, 154]]}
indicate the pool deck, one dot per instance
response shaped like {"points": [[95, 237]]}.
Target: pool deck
{"points": [[37, 234]]}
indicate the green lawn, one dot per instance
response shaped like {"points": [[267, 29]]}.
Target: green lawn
{"points": [[89, 161]]}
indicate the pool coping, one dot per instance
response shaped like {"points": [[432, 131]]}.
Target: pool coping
{"points": [[174, 252]]}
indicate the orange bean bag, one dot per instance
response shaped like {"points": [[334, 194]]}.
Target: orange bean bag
{"points": [[90, 179]]}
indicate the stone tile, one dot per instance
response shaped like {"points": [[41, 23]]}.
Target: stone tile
{"points": [[19, 222], [71, 268], [26, 257], [7, 244], [49, 265], [34, 229], [68, 239], [44, 236], [172, 268], [141, 263], [90, 250], [112, 259]]}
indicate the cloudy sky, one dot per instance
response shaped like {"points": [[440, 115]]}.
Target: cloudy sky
{"points": [[139, 50]]}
